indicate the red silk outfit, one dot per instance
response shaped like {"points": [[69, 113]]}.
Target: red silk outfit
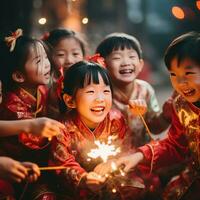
{"points": [[182, 144], [71, 147], [19, 104]]}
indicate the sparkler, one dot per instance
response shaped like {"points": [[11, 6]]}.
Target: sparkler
{"points": [[117, 177], [104, 150]]}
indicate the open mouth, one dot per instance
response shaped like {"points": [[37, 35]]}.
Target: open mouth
{"points": [[98, 109], [126, 71], [47, 74], [189, 92]]}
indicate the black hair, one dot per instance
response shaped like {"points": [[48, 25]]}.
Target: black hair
{"points": [[117, 41], [56, 35], [82, 74], [184, 46], [11, 61]]}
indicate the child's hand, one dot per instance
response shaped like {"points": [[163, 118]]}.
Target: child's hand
{"points": [[93, 181], [104, 168], [45, 127], [12, 170], [127, 162], [34, 171], [138, 106]]}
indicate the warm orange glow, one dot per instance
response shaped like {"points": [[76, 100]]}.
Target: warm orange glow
{"points": [[198, 4], [178, 12]]}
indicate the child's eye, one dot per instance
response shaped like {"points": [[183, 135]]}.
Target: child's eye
{"points": [[76, 53], [38, 61], [90, 91], [60, 54], [172, 74], [115, 58], [107, 91], [189, 73]]}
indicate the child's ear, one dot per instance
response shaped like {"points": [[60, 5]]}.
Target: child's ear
{"points": [[141, 64], [69, 101], [18, 77]]}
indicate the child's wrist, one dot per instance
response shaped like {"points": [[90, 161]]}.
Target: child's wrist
{"points": [[139, 156]]}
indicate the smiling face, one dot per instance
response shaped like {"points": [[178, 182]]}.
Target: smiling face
{"points": [[37, 66], [124, 65], [93, 102], [185, 78], [67, 52]]}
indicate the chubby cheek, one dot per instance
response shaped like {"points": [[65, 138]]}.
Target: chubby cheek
{"points": [[109, 103]]}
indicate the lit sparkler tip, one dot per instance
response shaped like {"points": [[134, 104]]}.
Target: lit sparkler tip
{"points": [[113, 166], [103, 150]]}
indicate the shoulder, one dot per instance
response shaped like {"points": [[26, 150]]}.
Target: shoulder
{"points": [[143, 85]]}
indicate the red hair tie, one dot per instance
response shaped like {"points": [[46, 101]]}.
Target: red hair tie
{"points": [[97, 59]]}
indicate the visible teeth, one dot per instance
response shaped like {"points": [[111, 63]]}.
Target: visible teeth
{"points": [[126, 71], [97, 109], [189, 92]]}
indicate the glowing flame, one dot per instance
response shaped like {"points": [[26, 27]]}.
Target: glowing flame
{"points": [[104, 150], [113, 166]]}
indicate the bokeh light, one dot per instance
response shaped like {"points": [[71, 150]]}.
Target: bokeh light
{"points": [[178, 12], [42, 21], [85, 20]]}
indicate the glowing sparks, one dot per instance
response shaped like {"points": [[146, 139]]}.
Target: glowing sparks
{"points": [[104, 150], [113, 166]]}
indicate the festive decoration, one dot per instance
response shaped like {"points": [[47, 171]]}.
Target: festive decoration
{"points": [[97, 59], [11, 40]]}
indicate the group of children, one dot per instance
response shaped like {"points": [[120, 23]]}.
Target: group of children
{"points": [[94, 99]]}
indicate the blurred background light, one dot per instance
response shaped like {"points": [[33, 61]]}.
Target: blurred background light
{"points": [[198, 4], [42, 21], [178, 12], [85, 20]]}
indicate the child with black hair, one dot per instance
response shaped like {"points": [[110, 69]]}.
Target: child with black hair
{"points": [[25, 71], [66, 48], [182, 144], [124, 61], [90, 118]]}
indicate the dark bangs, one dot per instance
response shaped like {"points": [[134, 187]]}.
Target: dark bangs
{"points": [[116, 42], [185, 46], [82, 74]]}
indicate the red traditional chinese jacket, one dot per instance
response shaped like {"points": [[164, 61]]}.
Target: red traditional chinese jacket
{"points": [[182, 143], [71, 147], [19, 104]]}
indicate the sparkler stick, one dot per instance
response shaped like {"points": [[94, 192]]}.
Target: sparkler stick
{"points": [[147, 128], [141, 117], [50, 168]]}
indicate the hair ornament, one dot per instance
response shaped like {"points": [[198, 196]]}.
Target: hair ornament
{"points": [[97, 59], [11, 40]]}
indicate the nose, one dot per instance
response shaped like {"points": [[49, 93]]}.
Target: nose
{"points": [[69, 60], [126, 61], [99, 97], [181, 80]]}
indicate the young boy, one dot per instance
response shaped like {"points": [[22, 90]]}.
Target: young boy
{"points": [[183, 141], [124, 61]]}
